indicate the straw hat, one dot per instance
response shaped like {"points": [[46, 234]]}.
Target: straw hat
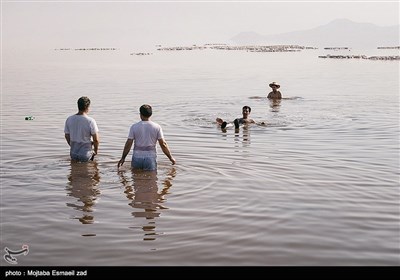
{"points": [[274, 84]]}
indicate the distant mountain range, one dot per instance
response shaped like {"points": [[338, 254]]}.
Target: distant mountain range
{"points": [[338, 33]]}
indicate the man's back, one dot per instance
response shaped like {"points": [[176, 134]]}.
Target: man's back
{"points": [[146, 135], [80, 128]]}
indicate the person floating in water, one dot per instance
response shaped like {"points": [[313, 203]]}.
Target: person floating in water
{"points": [[275, 93], [246, 110]]}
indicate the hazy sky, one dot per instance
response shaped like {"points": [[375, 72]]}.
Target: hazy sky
{"points": [[57, 24]]}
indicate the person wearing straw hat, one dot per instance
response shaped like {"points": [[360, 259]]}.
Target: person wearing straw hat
{"points": [[275, 93]]}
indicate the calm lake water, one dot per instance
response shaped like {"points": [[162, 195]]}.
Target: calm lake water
{"points": [[319, 185]]}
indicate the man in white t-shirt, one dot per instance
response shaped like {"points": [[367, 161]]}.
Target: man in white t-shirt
{"points": [[145, 134], [79, 130]]}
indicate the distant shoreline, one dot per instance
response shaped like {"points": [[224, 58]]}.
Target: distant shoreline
{"points": [[387, 57], [253, 48]]}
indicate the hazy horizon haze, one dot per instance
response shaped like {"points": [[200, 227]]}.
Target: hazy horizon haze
{"points": [[136, 25]]}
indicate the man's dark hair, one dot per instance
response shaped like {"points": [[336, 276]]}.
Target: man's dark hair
{"points": [[246, 107], [83, 103], [146, 110]]}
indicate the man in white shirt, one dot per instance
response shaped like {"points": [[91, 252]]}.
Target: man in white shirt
{"points": [[145, 134], [79, 131]]}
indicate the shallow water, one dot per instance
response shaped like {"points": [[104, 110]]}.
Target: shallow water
{"points": [[318, 185]]}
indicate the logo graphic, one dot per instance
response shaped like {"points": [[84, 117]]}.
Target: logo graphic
{"points": [[9, 256]]}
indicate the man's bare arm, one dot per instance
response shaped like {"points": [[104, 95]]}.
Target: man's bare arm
{"points": [[68, 138], [127, 148], [96, 143], [165, 149]]}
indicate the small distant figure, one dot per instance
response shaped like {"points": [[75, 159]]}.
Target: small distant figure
{"points": [[275, 93], [145, 134], [79, 131], [246, 110]]}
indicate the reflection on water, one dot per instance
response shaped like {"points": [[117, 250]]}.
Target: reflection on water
{"points": [[242, 135], [83, 181], [144, 196], [275, 104]]}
